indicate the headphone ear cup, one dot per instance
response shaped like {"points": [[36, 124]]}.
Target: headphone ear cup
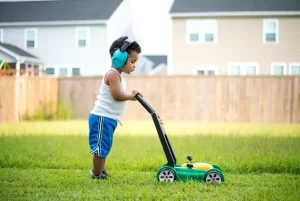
{"points": [[119, 58]]}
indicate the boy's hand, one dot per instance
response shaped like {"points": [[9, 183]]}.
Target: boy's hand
{"points": [[134, 93]]}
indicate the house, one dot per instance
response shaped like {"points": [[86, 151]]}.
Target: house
{"points": [[17, 58], [151, 65], [69, 37], [235, 37]]}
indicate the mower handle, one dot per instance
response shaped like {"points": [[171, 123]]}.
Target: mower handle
{"points": [[144, 103]]}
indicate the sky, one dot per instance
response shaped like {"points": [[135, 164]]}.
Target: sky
{"points": [[153, 24]]}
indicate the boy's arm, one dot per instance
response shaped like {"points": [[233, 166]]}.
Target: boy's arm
{"points": [[113, 80]]}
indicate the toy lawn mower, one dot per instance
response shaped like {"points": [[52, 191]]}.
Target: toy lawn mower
{"points": [[199, 171]]}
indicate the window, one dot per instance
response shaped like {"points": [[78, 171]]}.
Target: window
{"points": [[243, 69], [201, 31], [1, 35], [50, 71], [75, 71], [250, 69], [63, 71], [200, 72], [278, 68], [31, 38], [206, 71], [235, 70], [82, 35], [270, 31], [294, 68]]}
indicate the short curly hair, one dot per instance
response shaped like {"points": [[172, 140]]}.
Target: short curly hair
{"points": [[118, 43]]}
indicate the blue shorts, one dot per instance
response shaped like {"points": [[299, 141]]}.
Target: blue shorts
{"points": [[101, 130]]}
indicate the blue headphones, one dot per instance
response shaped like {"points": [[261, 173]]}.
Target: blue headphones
{"points": [[120, 55]]}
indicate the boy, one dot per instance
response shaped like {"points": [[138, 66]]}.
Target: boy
{"points": [[111, 102]]}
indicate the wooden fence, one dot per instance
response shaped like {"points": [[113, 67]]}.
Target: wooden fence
{"points": [[21, 96], [201, 98]]}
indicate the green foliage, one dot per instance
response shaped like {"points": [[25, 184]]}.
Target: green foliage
{"points": [[26, 117], [260, 167], [45, 112], [64, 111]]}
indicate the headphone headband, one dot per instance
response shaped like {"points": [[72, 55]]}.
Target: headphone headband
{"points": [[125, 45]]}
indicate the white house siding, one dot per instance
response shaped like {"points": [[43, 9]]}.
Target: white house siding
{"points": [[56, 46]]}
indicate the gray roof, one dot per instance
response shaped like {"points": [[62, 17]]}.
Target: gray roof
{"points": [[157, 59], [57, 10], [186, 6], [16, 50]]}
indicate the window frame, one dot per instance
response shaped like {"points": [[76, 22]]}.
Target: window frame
{"points": [[243, 66], [276, 31], [273, 64], [35, 38], [77, 38], [188, 31]]}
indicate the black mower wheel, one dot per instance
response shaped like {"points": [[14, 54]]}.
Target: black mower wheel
{"points": [[213, 176], [166, 175]]}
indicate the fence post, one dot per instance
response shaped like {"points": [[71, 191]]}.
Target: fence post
{"points": [[17, 103]]}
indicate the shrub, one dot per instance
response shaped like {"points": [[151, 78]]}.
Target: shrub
{"points": [[45, 112], [64, 111]]}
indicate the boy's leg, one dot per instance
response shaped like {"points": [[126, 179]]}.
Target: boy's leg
{"points": [[98, 163], [100, 139]]}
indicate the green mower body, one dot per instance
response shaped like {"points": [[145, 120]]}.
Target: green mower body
{"points": [[172, 171], [187, 173]]}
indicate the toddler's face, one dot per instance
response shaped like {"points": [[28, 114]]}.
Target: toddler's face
{"points": [[130, 64]]}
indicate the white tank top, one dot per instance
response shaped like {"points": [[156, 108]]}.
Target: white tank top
{"points": [[105, 104]]}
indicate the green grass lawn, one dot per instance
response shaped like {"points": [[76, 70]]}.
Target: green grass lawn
{"points": [[51, 161]]}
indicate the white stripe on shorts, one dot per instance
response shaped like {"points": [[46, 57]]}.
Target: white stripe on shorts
{"points": [[100, 126], [100, 134]]}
